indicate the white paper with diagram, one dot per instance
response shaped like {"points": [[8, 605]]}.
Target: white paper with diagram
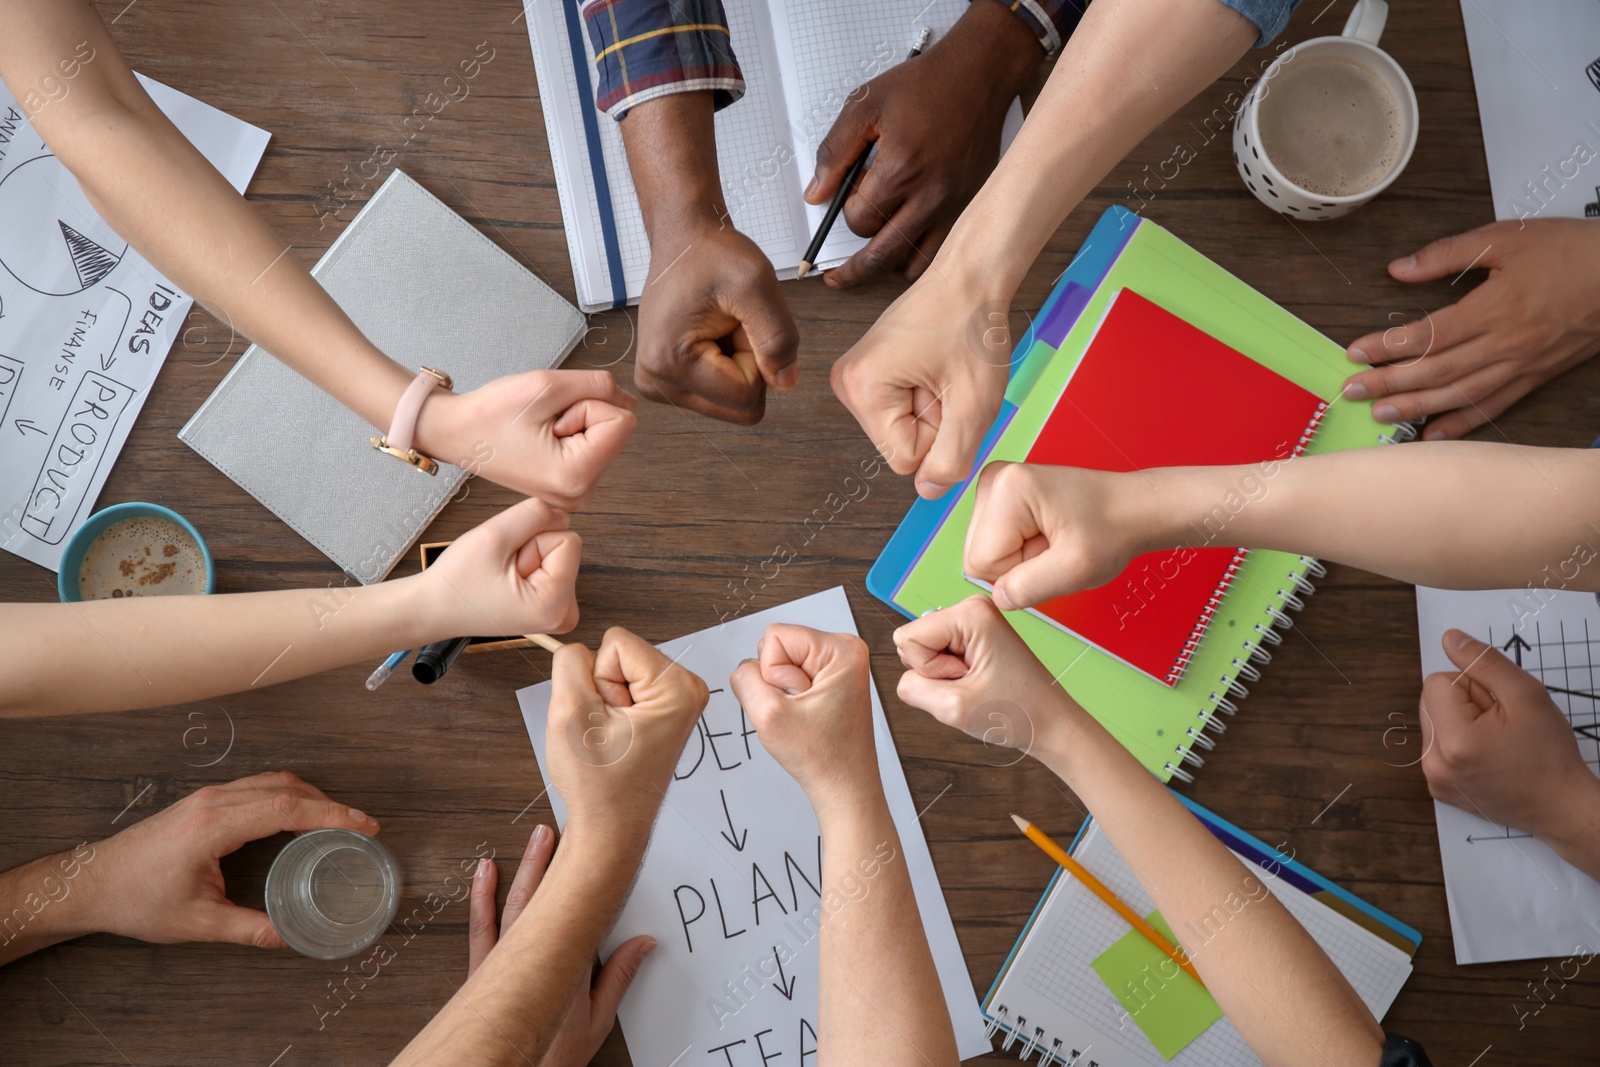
{"points": [[85, 323], [1511, 897]]}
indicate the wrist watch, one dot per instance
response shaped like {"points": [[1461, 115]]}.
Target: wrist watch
{"points": [[403, 429]]}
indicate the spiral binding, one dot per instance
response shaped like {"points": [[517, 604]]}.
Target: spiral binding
{"points": [[1403, 431], [1197, 636], [1049, 1055], [1242, 668], [1255, 651]]}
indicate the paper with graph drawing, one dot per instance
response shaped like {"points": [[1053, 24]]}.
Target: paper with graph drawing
{"points": [[85, 323], [1511, 897], [731, 884]]}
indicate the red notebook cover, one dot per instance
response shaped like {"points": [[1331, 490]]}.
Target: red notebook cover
{"points": [[1153, 391]]}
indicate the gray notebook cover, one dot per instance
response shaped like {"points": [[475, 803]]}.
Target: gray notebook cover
{"points": [[426, 288]]}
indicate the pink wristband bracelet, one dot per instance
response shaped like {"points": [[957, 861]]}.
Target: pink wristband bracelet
{"points": [[403, 428]]}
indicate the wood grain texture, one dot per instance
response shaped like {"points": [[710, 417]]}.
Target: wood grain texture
{"points": [[692, 507]]}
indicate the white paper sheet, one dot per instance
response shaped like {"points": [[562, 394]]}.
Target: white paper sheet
{"points": [[85, 324], [738, 836], [1511, 897], [1536, 67]]}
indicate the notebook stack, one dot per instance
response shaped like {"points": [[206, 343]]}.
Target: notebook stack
{"points": [[1147, 354]]}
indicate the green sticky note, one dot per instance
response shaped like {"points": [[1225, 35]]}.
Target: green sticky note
{"points": [[1169, 1006]]}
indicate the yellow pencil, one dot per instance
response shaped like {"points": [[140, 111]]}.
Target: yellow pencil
{"points": [[1098, 888], [544, 641]]}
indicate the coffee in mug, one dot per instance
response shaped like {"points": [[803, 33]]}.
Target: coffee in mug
{"points": [[1331, 126], [142, 556]]}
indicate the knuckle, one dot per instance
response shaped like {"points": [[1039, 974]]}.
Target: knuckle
{"points": [[206, 796]]}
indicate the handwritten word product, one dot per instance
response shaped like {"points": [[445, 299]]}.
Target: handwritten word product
{"points": [[85, 322], [426, 288], [731, 885]]}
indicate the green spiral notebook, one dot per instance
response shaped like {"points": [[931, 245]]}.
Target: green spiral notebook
{"points": [[1161, 725]]}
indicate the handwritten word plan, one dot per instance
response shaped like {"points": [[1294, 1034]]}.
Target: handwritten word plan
{"points": [[731, 885], [85, 322]]}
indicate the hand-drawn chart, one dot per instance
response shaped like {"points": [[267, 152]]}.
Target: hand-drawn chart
{"points": [[85, 324], [54, 253], [1511, 896]]}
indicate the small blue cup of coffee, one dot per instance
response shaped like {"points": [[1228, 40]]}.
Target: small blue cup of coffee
{"points": [[135, 549]]}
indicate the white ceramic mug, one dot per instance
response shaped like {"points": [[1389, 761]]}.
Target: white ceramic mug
{"points": [[1358, 44]]}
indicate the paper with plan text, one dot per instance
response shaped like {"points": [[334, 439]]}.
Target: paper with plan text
{"points": [[85, 323], [731, 884], [1511, 897]]}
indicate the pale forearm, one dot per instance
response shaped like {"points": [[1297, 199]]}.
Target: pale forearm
{"points": [[113, 655], [1455, 514], [1273, 981], [161, 195], [508, 1012], [881, 1001], [1128, 66]]}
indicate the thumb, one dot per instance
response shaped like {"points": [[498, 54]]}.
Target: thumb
{"points": [[517, 525], [1448, 255], [1488, 670], [614, 979], [768, 331], [852, 133], [230, 923], [955, 445], [1033, 581]]}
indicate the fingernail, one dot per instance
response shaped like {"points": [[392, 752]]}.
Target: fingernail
{"points": [[1355, 391], [483, 868], [1433, 435], [1386, 413], [811, 189], [1404, 264], [1358, 355], [789, 377], [931, 490], [1458, 639], [360, 816], [1002, 601], [649, 947], [896, 635], [541, 834]]}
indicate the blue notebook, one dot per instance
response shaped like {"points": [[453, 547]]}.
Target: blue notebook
{"points": [[1048, 329]]}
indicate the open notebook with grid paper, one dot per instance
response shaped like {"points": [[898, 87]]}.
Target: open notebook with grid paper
{"points": [[1048, 1001], [800, 60]]}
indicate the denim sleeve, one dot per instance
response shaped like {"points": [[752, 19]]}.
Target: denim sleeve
{"points": [[1270, 16]]}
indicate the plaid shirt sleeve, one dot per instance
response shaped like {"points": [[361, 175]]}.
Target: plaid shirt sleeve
{"points": [[1052, 21], [645, 49]]}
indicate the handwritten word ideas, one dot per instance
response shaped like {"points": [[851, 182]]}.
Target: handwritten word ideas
{"points": [[731, 886], [85, 323]]}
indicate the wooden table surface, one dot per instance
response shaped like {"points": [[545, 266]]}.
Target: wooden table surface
{"points": [[1312, 760]]}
